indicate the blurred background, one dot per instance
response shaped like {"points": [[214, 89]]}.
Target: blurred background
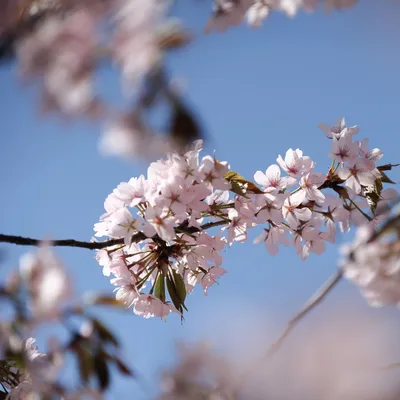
{"points": [[257, 93]]}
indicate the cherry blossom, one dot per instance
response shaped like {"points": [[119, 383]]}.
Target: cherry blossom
{"points": [[272, 238], [295, 164], [339, 130], [163, 217], [374, 267], [271, 208], [343, 149], [272, 181], [369, 156], [159, 222], [309, 185], [356, 175], [47, 281], [256, 14], [292, 213]]}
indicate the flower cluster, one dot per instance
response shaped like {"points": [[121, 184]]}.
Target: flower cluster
{"points": [[38, 373], [233, 12], [60, 45], [372, 262], [68, 40], [40, 293], [160, 221], [65, 49]]}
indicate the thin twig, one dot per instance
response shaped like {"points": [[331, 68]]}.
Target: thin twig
{"points": [[390, 366], [209, 225], [312, 302]]}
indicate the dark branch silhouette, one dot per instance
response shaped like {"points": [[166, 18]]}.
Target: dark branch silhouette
{"points": [[24, 241], [137, 237]]}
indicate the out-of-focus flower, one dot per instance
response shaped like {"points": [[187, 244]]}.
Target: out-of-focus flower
{"points": [[47, 282]]}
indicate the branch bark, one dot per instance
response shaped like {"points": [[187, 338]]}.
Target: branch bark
{"points": [[26, 241]]}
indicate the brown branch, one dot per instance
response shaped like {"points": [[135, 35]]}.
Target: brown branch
{"points": [[209, 225], [312, 302], [390, 366], [24, 241]]}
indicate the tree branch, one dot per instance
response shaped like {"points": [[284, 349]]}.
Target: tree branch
{"points": [[209, 225], [390, 366], [312, 302], [24, 241]]}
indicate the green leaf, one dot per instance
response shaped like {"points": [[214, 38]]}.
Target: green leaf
{"points": [[85, 362], [341, 191], [238, 183], [233, 176], [101, 370], [160, 287], [184, 127], [105, 300], [122, 367], [173, 295], [104, 333], [180, 286], [387, 167], [176, 293], [238, 188], [385, 178]]}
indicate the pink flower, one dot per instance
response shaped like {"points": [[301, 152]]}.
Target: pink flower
{"points": [[309, 240], [339, 129], [174, 196], [271, 208], [211, 277], [122, 224], [217, 197], [272, 238], [135, 45], [159, 222], [290, 7], [47, 281], [256, 14], [356, 175], [294, 216], [295, 164], [271, 181], [149, 306], [237, 229], [227, 13], [133, 192], [370, 157], [104, 260], [212, 173], [63, 51], [343, 149]]}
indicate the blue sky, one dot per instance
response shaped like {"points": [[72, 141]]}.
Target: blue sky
{"points": [[258, 92]]}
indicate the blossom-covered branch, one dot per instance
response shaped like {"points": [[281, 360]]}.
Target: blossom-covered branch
{"points": [[182, 195]]}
